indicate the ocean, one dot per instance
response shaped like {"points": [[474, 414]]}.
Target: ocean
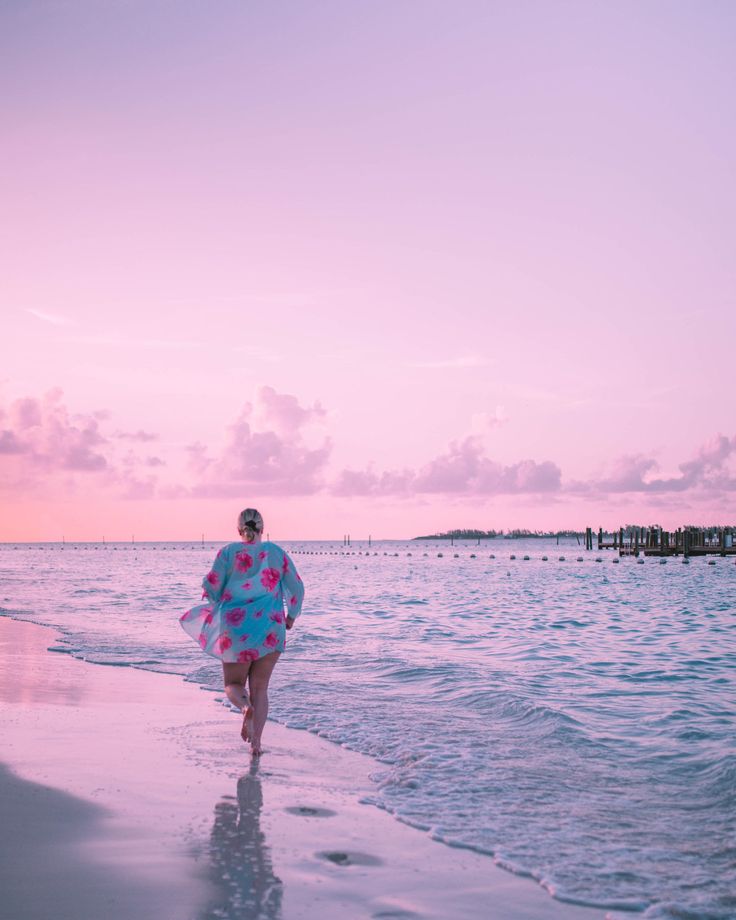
{"points": [[571, 718]]}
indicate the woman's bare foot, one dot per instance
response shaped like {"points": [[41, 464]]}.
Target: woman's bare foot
{"points": [[255, 747], [246, 732]]}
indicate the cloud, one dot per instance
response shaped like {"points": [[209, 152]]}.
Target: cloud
{"points": [[9, 443], [277, 445], [132, 477], [46, 437], [265, 450], [45, 449], [283, 412], [53, 318], [707, 471], [709, 466], [366, 482], [464, 469], [139, 435], [482, 422]]}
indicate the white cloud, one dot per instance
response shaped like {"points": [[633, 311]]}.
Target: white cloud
{"points": [[481, 422], [53, 318]]}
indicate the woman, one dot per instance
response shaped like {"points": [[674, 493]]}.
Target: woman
{"points": [[243, 622]]}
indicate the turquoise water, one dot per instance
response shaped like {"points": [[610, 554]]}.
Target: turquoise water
{"points": [[574, 720]]}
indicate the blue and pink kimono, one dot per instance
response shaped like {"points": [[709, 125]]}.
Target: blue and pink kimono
{"points": [[249, 592]]}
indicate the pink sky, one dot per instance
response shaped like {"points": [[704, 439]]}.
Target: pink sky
{"points": [[382, 268]]}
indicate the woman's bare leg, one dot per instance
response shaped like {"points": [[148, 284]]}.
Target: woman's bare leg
{"points": [[258, 678], [235, 675]]}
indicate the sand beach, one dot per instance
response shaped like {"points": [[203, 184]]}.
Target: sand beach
{"points": [[127, 793]]}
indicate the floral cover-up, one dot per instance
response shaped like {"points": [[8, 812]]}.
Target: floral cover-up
{"points": [[247, 591]]}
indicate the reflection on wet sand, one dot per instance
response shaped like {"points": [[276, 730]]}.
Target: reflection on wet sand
{"points": [[240, 859], [27, 682]]}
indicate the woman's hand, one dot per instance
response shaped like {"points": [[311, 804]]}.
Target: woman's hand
{"points": [[289, 622]]}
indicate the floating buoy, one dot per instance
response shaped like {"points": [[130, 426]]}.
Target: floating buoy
{"points": [[711, 562], [561, 559], [686, 561], [544, 558], [439, 555], [491, 556], [526, 559], [455, 556], [579, 559], [616, 561], [663, 562], [512, 556], [472, 555], [640, 562], [598, 559]]}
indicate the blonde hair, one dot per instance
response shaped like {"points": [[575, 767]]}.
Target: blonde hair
{"points": [[250, 523]]}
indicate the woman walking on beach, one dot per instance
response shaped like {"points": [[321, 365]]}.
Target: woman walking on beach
{"points": [[243, 621]]}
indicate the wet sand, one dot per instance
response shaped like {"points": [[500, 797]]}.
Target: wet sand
{"points": [[127, 793]]}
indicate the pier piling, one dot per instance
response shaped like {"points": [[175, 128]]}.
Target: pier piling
{"points": [[685, 541]]}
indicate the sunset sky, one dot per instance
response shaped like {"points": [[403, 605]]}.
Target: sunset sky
{"points": [[388, 267]]}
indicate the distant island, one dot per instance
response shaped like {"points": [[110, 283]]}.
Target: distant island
{"points": [[498, 534]]}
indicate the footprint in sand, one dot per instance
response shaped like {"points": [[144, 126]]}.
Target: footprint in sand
{"points": [[307, 811], [343, 858]]}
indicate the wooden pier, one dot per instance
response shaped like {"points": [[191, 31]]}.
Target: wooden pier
{"points": [[655, 541]]}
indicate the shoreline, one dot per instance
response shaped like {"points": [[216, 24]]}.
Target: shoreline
{"points": [[131, 792]]}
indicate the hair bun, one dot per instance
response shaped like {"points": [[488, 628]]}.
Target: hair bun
{"points": [[251, 520]]}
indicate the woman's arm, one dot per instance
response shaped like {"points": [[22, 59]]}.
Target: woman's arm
{"points": [[293, 590], [213, 582]]}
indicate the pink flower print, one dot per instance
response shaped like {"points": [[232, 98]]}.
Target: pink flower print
{"points": [[243, 561], [204, 595], [185, 616], [285, 565], [209, 618], [248, 654], [247, 585], [219, 554], [258, 614], [235, 616], [271, 640], [227, 595], [298, 578], [278, 617], [203, 640], [213, 578], [270, 578], [223, 643], [262, 555], [244, 638]]}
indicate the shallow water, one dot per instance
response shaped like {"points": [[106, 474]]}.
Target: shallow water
{"points": [[573, 719]]}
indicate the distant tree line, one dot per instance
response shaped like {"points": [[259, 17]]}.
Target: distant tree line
{"points": [[495, 534]]}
